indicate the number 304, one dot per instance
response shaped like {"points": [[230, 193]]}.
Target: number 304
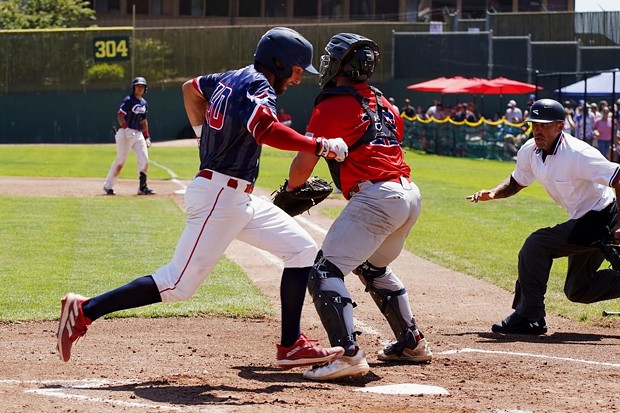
{"points": [[111, 49]]}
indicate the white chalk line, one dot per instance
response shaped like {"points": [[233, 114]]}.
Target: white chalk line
{"points": [[66, 389], [541, 356], [173, 177]]}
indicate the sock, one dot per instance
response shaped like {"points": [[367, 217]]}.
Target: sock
{"points": [[292, 294], [140, 292]]}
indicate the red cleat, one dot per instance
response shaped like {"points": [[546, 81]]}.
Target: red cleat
{"points": [[72, 324], [305, 352]]}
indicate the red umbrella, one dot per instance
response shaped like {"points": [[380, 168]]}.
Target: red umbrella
{"points": [[500, 86], [464, 86], [435, 85]]}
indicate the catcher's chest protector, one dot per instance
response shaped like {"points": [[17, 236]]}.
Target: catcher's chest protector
{"points": [[377, 128]]}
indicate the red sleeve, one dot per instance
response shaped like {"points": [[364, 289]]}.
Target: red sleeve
{"points": [[266, 129], [283, 137]]}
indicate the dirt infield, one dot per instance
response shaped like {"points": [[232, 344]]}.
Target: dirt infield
{"points": [[226, 365]]}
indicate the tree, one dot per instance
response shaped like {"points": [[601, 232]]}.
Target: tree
{"points": [[44, 14]]}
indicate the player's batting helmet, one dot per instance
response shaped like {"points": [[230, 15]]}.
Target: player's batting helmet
{"points": [[350, 55], [139, 81], [546, 111], [282, 48]]}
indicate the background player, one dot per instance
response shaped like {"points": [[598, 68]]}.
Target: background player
{"points": [[133, 134], [578, 178], [383, 207], [234, 113]]}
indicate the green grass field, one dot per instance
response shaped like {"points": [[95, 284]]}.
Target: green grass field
{"points": [[53, 245]]}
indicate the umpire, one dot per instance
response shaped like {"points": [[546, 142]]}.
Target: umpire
{"points": [[579, 179]]}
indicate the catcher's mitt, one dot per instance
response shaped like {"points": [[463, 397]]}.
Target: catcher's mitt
{"points": [[303, 198]]}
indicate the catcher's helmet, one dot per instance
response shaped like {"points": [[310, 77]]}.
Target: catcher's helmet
{"points": [[546, 111], [350, 55], [282, 48], [139, 81]]}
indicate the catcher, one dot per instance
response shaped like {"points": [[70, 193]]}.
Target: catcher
{"points": [[383, 205]]}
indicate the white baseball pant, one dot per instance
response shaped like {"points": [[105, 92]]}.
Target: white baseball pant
{"points": [[127, 139], [218, 211]]}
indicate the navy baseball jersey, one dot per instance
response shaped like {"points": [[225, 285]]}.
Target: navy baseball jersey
{"points": [[134, 111], [236, 99]]}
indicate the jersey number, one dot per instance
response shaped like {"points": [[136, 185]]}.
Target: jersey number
{"points": [[217, 106]]}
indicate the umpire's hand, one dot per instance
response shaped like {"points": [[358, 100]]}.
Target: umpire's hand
{"points": [[483, 195]]}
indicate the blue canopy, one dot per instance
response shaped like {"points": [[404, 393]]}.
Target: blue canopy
{"points": [[599, 85]]}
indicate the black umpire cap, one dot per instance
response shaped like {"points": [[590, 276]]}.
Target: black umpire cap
{"points": [[546, 111]]}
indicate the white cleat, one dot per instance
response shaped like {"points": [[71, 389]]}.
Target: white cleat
{"points": [[343, 367]]}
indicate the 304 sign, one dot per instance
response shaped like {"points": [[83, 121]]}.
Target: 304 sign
{"points": [[111, 48]]}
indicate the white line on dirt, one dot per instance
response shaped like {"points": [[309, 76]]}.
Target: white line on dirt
{"points": [[65, 389], [173, 177], [542, 356]]}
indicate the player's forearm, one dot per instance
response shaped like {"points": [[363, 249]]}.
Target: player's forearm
{"points": [[301, 168], [282, 137], [195, 104], [506, 189], [120, 118]]}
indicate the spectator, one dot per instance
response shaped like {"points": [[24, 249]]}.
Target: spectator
{"points": [[513, 113], [569, 123], [579, 123], [408, 109], [530, 101], [602, 132], [568, 105], [470, 112], [421, 114], [393, 102], [594, 109], [285, 118], [459, 113], [432, 110], [440, 112]]}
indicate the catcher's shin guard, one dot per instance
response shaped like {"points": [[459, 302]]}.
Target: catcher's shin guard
{"points": [[392, 301], [332, 302]]}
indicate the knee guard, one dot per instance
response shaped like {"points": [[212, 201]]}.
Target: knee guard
{"points": [[330, 303], [396, 313]]}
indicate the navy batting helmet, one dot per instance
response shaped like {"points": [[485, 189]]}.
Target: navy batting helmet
{"points": [[546, 111], [139, 81], [350, 55], [282, 48]]}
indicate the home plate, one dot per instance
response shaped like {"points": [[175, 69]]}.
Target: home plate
{"points": [[180, 191], [405, 388]]}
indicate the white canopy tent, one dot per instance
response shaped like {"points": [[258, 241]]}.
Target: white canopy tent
{"points": [[600, 85]]}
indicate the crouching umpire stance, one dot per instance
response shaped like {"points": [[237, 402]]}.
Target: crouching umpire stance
{"points": [[383, 205], [579, 179]]}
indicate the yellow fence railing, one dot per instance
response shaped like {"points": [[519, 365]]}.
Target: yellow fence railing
{"points": [[488, 139]]}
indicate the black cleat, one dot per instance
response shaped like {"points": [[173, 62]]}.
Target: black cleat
{"points": [[109, 191], [146, 191], [516, 324]]}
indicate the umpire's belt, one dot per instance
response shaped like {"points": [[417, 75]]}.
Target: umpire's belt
{"points": [[226, 181], [360, 185]]}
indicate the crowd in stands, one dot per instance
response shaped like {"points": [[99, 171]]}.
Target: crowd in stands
{"points": [[460, 130]]}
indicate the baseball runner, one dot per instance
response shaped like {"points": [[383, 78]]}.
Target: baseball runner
{"points": [[133, 134], [579, 178], [234, 113], [383, 205]]}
